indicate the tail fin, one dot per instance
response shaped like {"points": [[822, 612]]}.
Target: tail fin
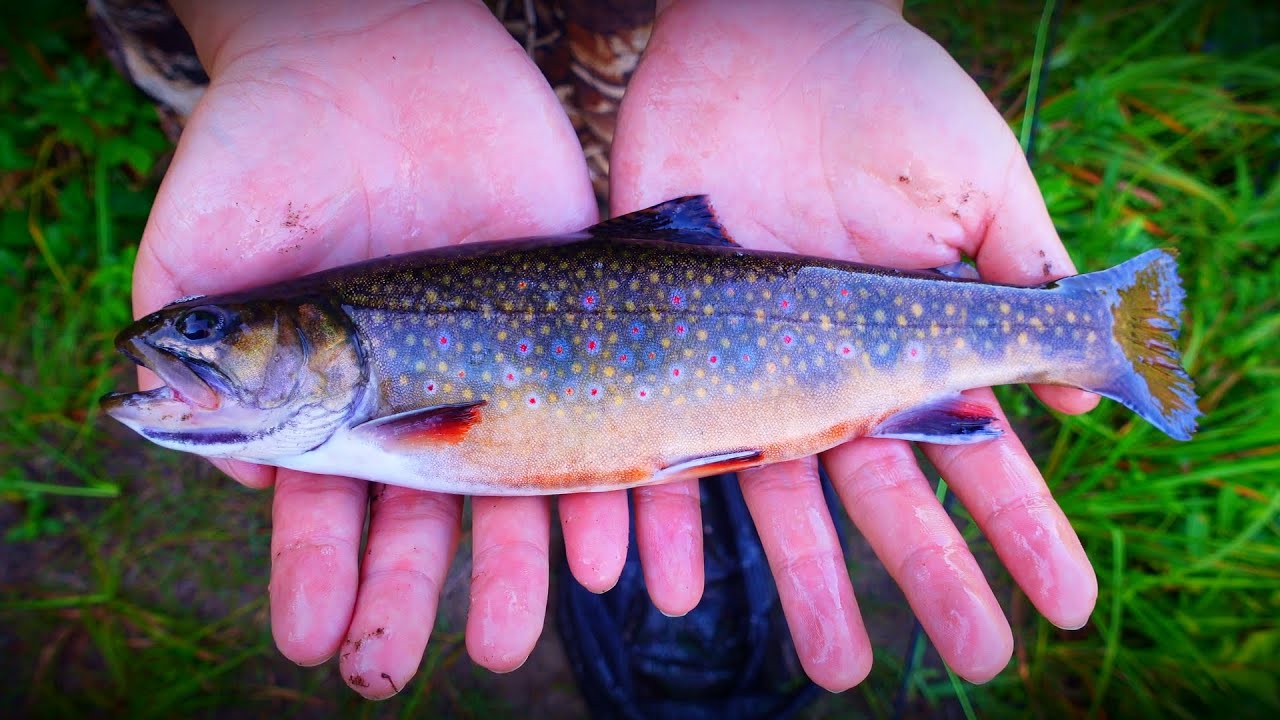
{"points": [[1145, 299]]}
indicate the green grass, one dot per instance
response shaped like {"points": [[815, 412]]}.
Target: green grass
{"points": [[133, 580]]}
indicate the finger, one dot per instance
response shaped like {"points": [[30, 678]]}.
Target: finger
{"points": [[804, 553], [412, 538], [1021, 247], [595, 529], [316, 521], [669, 541], [258, 477], [509, 578], [893, 506], [1006, 495]]}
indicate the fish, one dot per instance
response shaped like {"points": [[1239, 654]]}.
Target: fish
{"points": [[645, 349]]}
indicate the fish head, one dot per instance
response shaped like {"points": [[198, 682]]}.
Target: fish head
{"points": [[258, 380]]}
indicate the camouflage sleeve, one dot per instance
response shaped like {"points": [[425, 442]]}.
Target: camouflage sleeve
{"points": [[150, 47], [587, 49]]}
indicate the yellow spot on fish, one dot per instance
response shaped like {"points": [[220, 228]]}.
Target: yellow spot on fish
{"points": [[391, 353], [1022, 338], [1005, 308], [1035, 323], [700, 392], [1049, 309], [404, 380], [882, 349], [771, 367], [700, 373], [609, 371], [702, 335], [1005, 327], [502, 335], [1092, 336], [467, 394], [934, 329], [1071, 316], [902, 319], [949, 309], [420, 367], [917, 309], [708, 310], [959, 343], [504, 404], [878, 315]]}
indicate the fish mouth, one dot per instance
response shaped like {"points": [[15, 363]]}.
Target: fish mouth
{"points": [[190, 386]]}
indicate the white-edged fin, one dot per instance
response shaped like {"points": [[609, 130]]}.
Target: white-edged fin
{"points": [[958, 270], [422, 428], [708, 465], [951, 420]]}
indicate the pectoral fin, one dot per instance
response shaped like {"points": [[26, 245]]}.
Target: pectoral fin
{"points": [[946, 421], [447, 424]]}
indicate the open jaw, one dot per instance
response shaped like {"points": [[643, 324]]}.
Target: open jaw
{"points": [[188, 397]]}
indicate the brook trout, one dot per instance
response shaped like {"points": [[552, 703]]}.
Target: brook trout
{"points": [[644, 349]]}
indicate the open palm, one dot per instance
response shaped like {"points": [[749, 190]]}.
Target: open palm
{"points": [[838, 129], [354, 138]]}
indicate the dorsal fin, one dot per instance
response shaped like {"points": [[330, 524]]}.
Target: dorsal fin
{"points": [[688, 219]]}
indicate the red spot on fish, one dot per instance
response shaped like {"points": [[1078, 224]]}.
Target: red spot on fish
{"points": [[431, 387], [511, 377], [713, 359], [568, 391], [844, 292], [595, 391], [675, 372], [533, 401], [676, 299], [915, 352], [635, 329], [681, 330], [462, 373], [785, 304], [522, 285], [642, 394], [787, 339], [592, 345], [559, 350], [443, 340], [590, 300], [523, 348], [622, 357]]}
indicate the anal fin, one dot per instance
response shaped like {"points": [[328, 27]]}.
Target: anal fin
{"points": [[708, 465], [950, 420], [447, 424]]}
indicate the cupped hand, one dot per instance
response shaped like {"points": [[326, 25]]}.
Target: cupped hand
{"points": [[838, 129], [334, 132]]}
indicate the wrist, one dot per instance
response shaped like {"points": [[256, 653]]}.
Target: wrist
{"points": [[226, 30]]}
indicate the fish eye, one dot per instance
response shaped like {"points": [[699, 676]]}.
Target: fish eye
{"points": [[204, 323]]}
